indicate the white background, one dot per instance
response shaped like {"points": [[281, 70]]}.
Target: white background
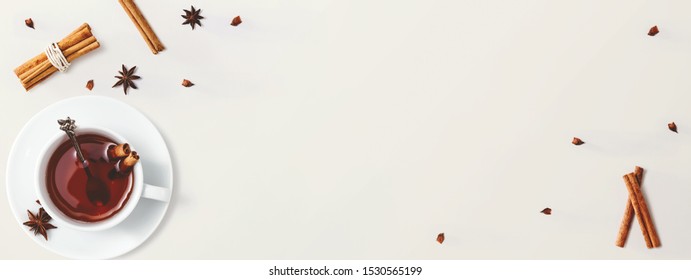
{"points": [[362, 129]]}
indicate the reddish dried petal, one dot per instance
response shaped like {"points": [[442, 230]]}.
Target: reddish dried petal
{"points": [[90, 84], [29, 23], [577, 141], [672, 126], [236, 21], [187, 83], [653, 31], [546, 211], [440, 238]]}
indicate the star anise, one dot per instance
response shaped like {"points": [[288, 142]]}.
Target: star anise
{"points": [[39, 222], [192, 17], [126, 80]]}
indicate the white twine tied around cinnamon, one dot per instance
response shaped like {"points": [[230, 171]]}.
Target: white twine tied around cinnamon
{"points": [[56, 57]]}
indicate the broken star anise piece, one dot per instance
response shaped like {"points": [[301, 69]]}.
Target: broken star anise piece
{"points": [[546, 211], [192, 17], [39, 223], [127, 78]]}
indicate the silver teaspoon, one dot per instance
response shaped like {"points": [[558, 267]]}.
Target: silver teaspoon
{"points": [[96, 190]]}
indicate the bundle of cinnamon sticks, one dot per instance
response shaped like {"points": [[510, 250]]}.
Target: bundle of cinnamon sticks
{"points": [[636, 206], [78, 43], [123, 156]]}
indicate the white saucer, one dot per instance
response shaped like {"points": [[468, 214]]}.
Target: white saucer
{"points": [[92, 111]]}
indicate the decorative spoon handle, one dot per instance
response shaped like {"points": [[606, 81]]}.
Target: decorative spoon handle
{"points": [[68, 127]]}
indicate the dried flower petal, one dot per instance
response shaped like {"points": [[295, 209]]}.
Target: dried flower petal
{"points": [[440, 238], [187, 83], [672, 126], [29, 23], [90, 84], [546, 211], [577, 141], [236, 21], [653, 31]]}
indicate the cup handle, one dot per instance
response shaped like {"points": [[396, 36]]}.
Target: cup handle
{"points": [[156, 193]]}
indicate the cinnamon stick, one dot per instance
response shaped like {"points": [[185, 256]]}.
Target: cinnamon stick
{"points": [[142, 25], [116, 152], [70, 58], [626, 222], [645, 213], [635, 202], [145, 25], [84, 25], [128, 162], [79, 34]]}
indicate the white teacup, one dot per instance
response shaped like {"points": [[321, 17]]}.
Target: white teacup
{"points": [[139, 188]]}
